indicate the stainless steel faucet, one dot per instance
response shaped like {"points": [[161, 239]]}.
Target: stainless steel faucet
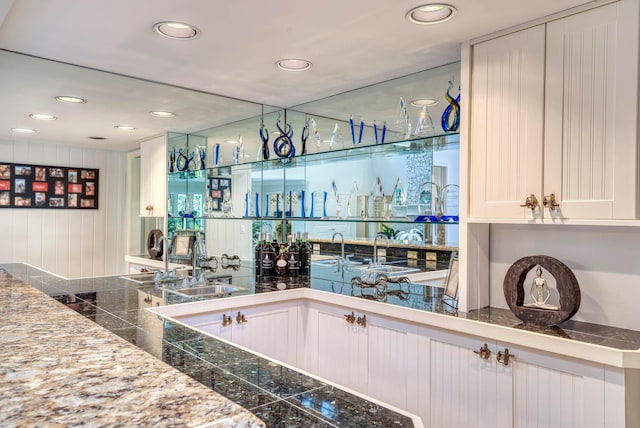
{"points": [[333, 239], [164, 243], [199, 246], [375, 246]]}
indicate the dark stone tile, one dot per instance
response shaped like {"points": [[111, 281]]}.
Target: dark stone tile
{"points": [[284, 414]]}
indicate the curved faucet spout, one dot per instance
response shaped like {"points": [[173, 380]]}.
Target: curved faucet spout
{"points": [[164, 243], [375, 246], [333, 239]]}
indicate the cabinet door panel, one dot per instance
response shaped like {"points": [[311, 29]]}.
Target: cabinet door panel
{"points": [[590, 113], [507, 92], [393, 359], [461, 384], [550, 392], [269, 330], [341, 349]]}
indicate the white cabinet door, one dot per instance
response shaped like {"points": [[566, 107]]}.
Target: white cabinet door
{"points": [[393, 361], [153, 176], [506, 100], [338, 348], [268, 329], [550, 392], [218, 323], [456, 387], [591, 112]]}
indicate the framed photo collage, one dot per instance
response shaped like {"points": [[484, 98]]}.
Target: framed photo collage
{"points": [[39, 186]]}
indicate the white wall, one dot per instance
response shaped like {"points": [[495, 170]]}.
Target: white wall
{"points": [[605, 261], [68, 242]]}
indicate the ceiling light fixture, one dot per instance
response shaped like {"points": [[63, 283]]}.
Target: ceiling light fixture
{"points": [[424, 102], [69, 99], [231, 141], [97, 138], [431, 13], [125, 127], [293, 64], [42, 116], [176, 30], [162, 113], [23, 130]]}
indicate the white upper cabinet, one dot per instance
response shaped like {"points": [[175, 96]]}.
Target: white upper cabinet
{"points": [[153, 177], [507, 91], [554, 113], [591, 98]]}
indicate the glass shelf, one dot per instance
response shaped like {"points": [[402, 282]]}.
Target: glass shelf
{"points": [[323, 219]]}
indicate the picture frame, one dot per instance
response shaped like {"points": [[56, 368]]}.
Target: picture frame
{"points": [[182, 245], [40, 186], [450, 294]]}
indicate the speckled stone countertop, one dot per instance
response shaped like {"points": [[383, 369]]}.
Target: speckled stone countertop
{"points": [[278, 395], [57, 368]]}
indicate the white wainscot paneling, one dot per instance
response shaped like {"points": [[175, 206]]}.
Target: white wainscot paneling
{"points": [[70, 243]]}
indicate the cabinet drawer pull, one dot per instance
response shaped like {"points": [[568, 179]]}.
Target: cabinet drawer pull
{"points": [[484, 352], [531, 202], [362, 321], [240, 319], [550, 202], [351, 318], [504, 357], [226, 320]]}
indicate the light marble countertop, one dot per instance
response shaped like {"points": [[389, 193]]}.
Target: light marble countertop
{"points": [[58, 368]]}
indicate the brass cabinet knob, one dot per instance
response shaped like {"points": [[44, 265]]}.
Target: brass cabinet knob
{"points": [[531, 202], [240, 319], [226, 320], [484, 352], [351, 318], [362, 321], [503, 357], [550, 202]]}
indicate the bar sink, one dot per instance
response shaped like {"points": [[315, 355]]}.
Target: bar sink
{"points": [[213, 290]]}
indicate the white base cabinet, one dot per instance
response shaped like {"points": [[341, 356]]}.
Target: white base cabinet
{"points": [[268, 329], [371, 354], [437, 374]]}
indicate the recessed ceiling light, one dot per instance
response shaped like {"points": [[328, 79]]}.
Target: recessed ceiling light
{"points": [[231, 141], [23, 130], [424, 102], [432, 13], [42, 116], [69, 99], [176, 30], [163, 113], [125, 127], [293, 64], [97, 138]]}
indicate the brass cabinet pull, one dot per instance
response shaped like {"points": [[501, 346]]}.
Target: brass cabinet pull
{"points": [[484, 352], [362, 321], [531, 202], [550, 202], [351, 318], [226, 320], [240, 319], [503, 357]]}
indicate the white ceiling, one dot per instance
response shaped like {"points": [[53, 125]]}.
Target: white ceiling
{"points": [[351, 44]]}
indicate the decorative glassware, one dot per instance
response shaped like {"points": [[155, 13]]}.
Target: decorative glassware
{"points": [[398, 200], [336, 136], [356, 129], [425, 124], [376, 200], [451, 115], [257, 204], [380, 139], [302, 202]]}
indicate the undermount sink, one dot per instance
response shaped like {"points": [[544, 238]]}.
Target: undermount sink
{"points": [[333, 262], [205, 290], [149, 278], [392, 269]]}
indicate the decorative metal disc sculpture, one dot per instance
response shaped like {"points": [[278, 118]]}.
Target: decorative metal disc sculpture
{"points": [[451, 115], [540, 312]]}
